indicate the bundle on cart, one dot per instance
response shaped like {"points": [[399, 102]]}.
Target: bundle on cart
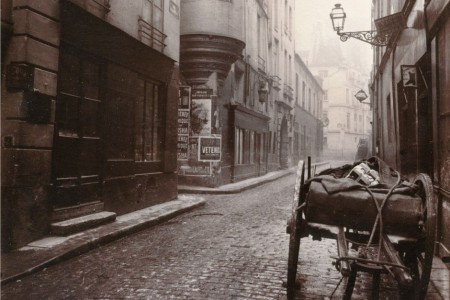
{"points": [[344, 201]]}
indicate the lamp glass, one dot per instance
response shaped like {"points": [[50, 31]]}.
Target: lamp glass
{"points": [[361, 95], [338, 16], [263, 95]]}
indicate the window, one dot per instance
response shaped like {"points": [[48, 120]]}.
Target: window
{"points": [[270, 141], [286, 17], [390, 124], [148, 123], [309, 100], [252, 147], [258, 28], [290, 22], [290, 71], [239, 146], [314, 104], [120, 113], [348, 120], [151, 24], [275, 12], [275, 58], [303, 138], [285, 67], [274, 149], [152, 13], [303, 94], [296, 143], [77, 115], [296, 88]]}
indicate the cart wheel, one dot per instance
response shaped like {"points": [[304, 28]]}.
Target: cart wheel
{"points": [[420, 259], [294, 230]]}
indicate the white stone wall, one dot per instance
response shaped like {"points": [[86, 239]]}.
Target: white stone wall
{"points": [[340, 85], [216, 17], [125, 14]]}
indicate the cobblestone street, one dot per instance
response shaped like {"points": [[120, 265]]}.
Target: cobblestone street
{"points": [[233, 248]]}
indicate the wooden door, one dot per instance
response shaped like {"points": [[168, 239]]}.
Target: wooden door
{"points": [[76, 159]]}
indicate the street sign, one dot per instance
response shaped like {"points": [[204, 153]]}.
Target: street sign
{"points": [[409, 76]]}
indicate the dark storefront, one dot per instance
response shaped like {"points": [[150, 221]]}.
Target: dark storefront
{"points": [[115, 141], [250, 130]]}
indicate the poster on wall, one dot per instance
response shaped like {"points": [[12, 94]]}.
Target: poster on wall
{"points": [[182, 149], [183, 122], [201, 112], [184, 97], [210, 148], [196, 167], [184, 102]]}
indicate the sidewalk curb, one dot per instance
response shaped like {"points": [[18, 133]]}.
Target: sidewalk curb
{"points": [[218, 191], [183, 189], [102, 240]]}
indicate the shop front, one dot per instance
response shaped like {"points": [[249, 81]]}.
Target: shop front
{"points": [[115, 142]]}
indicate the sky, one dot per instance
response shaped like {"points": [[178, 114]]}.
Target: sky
{"points": [[314, 16]]}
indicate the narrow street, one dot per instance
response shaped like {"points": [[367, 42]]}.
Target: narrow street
{"points": [[233, 248]]}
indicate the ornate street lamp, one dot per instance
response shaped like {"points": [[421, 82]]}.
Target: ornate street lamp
{"points": [[361, 96], [338, 17], [386, 26], [263, 93]]}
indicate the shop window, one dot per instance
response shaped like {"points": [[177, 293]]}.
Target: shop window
{"points": [[262, 142], [270, 142], [78, 101], [119, 113], [240, 142], [148, 122], [252, 147], [274, 148]]}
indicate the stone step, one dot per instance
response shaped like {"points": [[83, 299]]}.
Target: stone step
{"points": [[65, 213], [78, 224]]}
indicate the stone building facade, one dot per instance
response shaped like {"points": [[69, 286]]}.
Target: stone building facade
{"points": [[410, 89], [308, 124], [89, 93], [347, 122], [241, 53]]}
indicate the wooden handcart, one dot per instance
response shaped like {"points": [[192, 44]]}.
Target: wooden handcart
{"points": [[398, 220]]}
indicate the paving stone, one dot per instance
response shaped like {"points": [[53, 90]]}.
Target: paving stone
{"points": [[235, 247]]}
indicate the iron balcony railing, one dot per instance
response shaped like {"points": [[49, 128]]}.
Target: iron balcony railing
{"points": [[151, 36]]}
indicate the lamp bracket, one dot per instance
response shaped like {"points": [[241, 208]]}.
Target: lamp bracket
{"points": [[370, 37]]}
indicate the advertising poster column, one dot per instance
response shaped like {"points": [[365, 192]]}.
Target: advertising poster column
{"points": [[199, 151], [200, 126]]}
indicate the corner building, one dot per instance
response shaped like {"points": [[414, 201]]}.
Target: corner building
{"points": [[242, 54], [89, 93]]}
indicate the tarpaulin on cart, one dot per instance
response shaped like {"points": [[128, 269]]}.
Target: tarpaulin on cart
{"points": [[345, 202]]}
